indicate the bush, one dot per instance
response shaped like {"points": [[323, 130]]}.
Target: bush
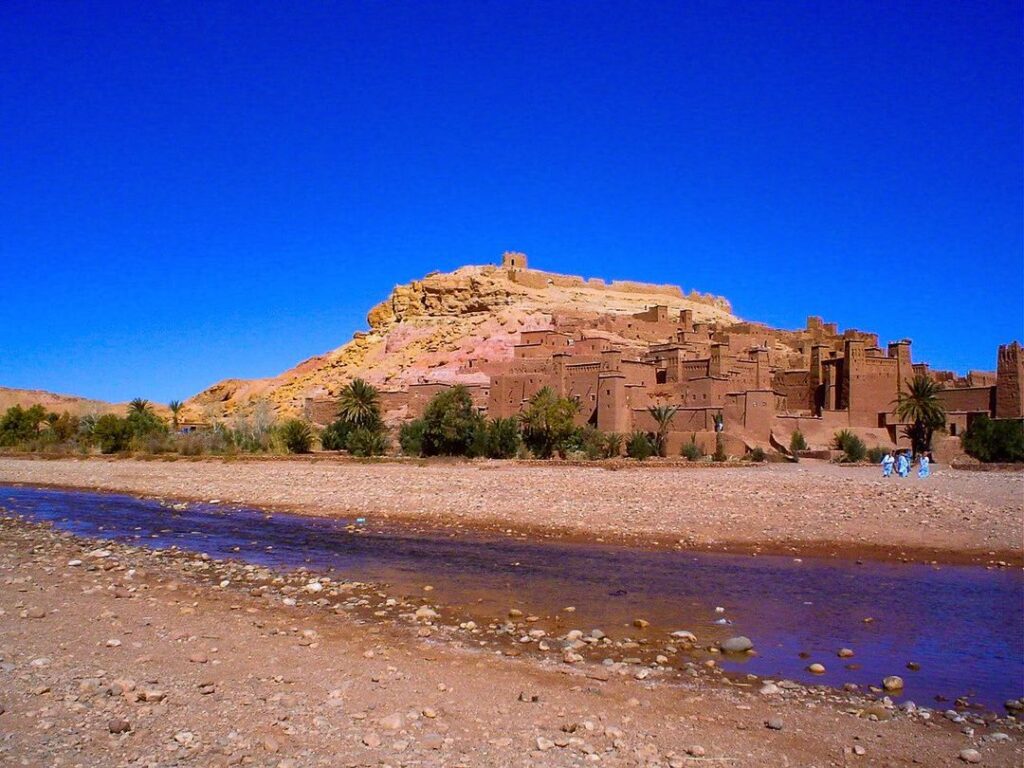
{"points": [[853, 447], [994, 439], [548, 423], [719, 454], [144, 423], [757, 454], [113, 433], [296, 436], [639, 446], [335, 435], [797, 441], [875, 454], [367, 442], [503, 439], [586, 442], [612, 445], [452, 426], [19, 425], [691, 451], [410, 437], [156, 441]]}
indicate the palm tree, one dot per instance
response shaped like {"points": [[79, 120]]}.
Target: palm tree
{"points": [[138, 405], [663, 415], [359, 404], [175, 406], [920, 405]]}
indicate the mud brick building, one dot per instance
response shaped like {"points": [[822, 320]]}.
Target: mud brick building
{"points": [[764, 382]]}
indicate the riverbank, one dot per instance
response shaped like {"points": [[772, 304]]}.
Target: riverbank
{"points": [[116, 655], [811, 508]]}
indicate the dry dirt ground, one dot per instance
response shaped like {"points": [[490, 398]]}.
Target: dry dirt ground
{"points": [[118, 656], [811, 507]]}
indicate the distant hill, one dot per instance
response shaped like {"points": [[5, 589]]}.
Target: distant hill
{"points": [[52, 401], [430, 330]]}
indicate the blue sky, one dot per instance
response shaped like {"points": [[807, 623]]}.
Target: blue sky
{"points": [[190, 192]]}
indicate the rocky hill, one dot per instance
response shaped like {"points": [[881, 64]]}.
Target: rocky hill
{"points": [[76, 406], [429, 330]]}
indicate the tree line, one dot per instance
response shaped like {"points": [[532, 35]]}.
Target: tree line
{"points": [[451, 425]]}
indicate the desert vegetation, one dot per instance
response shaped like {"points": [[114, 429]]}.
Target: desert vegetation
{"points": [[451, 425], [991, 440]]}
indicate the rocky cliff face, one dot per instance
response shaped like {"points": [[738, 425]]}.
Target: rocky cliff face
{"points": [[430, 329]]}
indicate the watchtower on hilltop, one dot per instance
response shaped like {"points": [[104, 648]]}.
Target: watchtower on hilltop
{"points": [[513, 261]]}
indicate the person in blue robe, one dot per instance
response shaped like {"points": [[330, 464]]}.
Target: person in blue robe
{"points": [[924, 468], [887, 463], [902, 464]]}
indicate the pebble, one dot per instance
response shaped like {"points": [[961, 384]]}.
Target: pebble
{"points": [[893, 683], [371, 740], [432, 741], [970, 756], [845, 653], [817, 669], [739, 644], [544, 744], [118, 725], [774, 723]]}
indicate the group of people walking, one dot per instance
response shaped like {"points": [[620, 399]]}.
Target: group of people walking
{"points": [[902, 461]]}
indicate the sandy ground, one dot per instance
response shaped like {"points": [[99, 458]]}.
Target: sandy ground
{"points": [[124, 657], [812, 507]]}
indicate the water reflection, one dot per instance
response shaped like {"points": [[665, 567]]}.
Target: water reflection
{"points": [[964, 625]]}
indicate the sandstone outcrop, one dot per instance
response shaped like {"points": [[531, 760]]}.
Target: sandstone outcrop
{"points": [[431, 329]]}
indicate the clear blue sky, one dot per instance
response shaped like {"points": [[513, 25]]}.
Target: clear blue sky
{"points": [[190, 192]]}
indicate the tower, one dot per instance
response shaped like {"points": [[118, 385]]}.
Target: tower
{"points": [[1010, 382], [513, 261]]}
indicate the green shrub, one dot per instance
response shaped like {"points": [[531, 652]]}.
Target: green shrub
{"points": [[797, 441], [853, 447], [757, 454], [367, 442], [875, 454], [587, 442], [410, 437], [296, 436], [691, 451], [612, 445], [63, 427], [503, 439], [335, 435], [548, 423], [991, 440], [639, 446], [145, 422], [19, 425], [113, 433], [452, 426]]}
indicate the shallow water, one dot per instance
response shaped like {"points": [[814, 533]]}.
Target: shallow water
{"points": [[964, 625]]}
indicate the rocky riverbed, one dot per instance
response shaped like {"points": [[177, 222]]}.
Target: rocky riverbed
{"points": [[119, 655], [811, 507]]}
